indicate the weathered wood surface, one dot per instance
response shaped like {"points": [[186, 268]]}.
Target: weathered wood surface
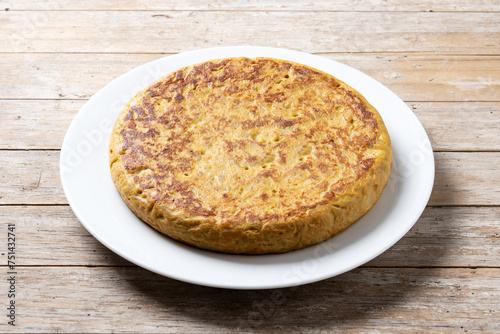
{"points": [[321, 31], [413, 77], [460, 126], [30, 177], [442, 237], [451, 126], [258, 5], [36, 124], [441, 57], [375, 300], [466, 179], [462, 178]]}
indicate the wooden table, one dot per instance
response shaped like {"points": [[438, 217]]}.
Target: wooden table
{"points": [[441, 57]]}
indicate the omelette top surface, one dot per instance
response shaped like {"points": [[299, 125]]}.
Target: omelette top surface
{"points": [[218, 153]]}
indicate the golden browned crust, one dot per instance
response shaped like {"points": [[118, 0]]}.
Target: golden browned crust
{"points": [[250, 156]]}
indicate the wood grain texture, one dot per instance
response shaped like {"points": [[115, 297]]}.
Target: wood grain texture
{"points": [[466, 179], [175, 31], [36, 124], [260, 5], [478, 123], [458, 236], [460, 126], [375, 300], [462, 178], [52, 235], [413, 77], [442, 237], [30, 177], [441, 57]]}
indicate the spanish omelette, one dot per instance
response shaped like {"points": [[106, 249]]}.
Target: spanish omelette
{"points": [[249, 156]]}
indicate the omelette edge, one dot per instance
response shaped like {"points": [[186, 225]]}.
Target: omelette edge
{"points": [[274, 236]]}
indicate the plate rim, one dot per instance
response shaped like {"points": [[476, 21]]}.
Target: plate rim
{"points": [[243, 49]]}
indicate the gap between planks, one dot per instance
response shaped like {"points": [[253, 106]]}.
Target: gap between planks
{"points": [[435, 151], [87, 98], [132, 265], [458, 206], [255, 10], [262, 5], [411, 53]]}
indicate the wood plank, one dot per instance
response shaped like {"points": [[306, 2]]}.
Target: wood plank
{"points": [[462, 236], [52, 235], [378, 300], [48, 121], [466, 179], [45, 120], [462, 178], [426, 77], [66, 76], [30, 177], [460, 126], [261, 5], [459, 237], [321, 31]]}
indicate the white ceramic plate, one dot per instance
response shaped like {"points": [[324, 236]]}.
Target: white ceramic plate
{"points": [[91, 194]]}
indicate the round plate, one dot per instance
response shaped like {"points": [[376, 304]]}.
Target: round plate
{"points": [[87, 183]]}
